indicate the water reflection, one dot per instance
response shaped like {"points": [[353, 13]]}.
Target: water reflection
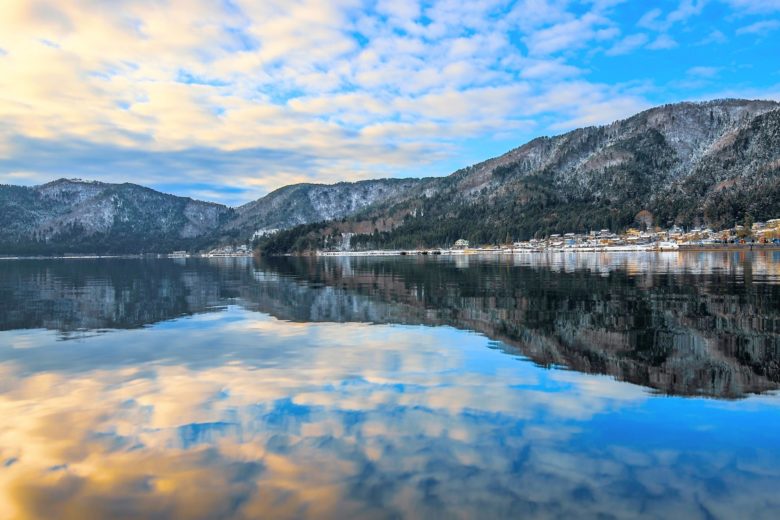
{"points": [[683, 324], [332, 421], [298, 388], [688, 324]]}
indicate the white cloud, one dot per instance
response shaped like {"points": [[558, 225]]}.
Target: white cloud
{"points": [[357, 88], [628, 44], [754, 6], [761, 28], [540, 69], [703, 72], [650, 20], [571, 34], [685, 10], [663, 42], [594, 104], [657, 21], [372, 88], [715, 36]]}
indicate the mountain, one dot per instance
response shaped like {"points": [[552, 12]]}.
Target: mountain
{"points": [[95, 217], [298, 204], [707, 163], [71, 215]]}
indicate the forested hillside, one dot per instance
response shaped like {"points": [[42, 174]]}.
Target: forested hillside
{"points": [[689, 164], [73, 216]]}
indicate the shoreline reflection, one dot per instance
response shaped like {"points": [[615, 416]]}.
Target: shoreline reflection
{"points": [[682, 324], [389, 388]]}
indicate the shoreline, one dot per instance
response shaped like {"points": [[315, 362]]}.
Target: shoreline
{"points": [[682, 248], [731, 247], [69, 257], [518, 251], [129, 257]]}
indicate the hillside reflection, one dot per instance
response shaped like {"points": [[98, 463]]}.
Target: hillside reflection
{"points": [[355, 388], [687, 324]]}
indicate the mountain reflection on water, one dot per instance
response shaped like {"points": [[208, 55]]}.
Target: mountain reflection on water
{"points": [[687, 324], [391, 387]]}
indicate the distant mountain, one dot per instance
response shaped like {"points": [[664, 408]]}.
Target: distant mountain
{"points": [[71, 215], [95, 217], [708, 163], [705, 163], [298, 204]]}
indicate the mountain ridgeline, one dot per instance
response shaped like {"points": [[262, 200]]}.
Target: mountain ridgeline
{"points": [[708, 163], [75, 216]]}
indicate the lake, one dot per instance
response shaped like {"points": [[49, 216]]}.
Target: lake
{"points": [[528, 386]]}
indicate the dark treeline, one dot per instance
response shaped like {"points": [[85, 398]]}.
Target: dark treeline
{"points": [[542, 213]]}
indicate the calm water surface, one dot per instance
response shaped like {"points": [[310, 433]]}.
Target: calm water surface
{"points": [[535, 386]]}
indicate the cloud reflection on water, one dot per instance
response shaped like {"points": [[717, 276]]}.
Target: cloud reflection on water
{"points": [[238, 414]]}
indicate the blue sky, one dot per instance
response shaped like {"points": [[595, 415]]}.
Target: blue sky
{"points": [[229, 100]]}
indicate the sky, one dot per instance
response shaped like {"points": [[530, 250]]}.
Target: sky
{"points": [[227, 100]]}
